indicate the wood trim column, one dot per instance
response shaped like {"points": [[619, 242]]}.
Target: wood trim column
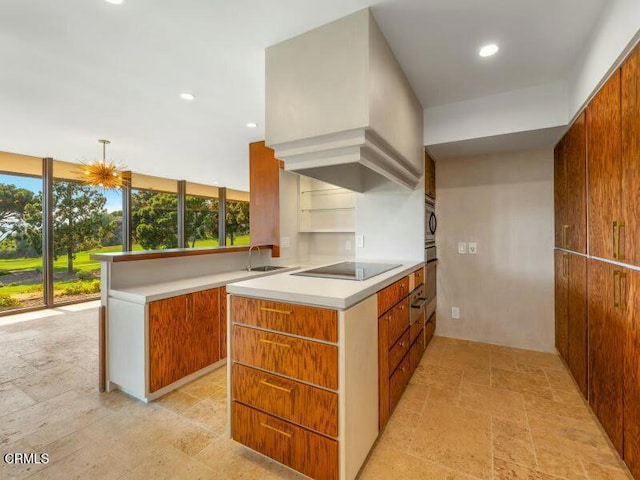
{"points": [[182, 206], [222, 216], [264, 192], [47, 230], [127, 234]]}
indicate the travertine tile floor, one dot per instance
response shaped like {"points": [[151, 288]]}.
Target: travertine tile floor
{"points": [[472, 411]]}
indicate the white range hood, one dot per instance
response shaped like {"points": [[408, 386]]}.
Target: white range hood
{"points": [[340, 109]]}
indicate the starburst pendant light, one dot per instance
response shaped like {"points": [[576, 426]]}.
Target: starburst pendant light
{"points": [[104, 174]]}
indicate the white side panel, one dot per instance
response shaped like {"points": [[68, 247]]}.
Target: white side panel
{"points": [[358, 427], [126, 343], [392, 224]]}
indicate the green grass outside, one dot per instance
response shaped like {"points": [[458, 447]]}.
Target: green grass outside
{"points": [[82, 262]]}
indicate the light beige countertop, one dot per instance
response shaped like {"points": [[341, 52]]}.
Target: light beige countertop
{"points": [[157, 291], [321, 292]]}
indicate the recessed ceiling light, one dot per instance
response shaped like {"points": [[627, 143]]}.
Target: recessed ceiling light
{"points": [[252, 125], [115, 2], [187, 96], [488, 50]]}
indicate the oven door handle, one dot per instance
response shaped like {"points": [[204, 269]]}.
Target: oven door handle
{"points": [[433, 223], [421, 304]]}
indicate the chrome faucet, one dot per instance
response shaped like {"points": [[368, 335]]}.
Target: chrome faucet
{"points": [[251, 248]]}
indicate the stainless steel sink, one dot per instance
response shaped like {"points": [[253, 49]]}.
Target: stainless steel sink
{"points": [[264, 268]]}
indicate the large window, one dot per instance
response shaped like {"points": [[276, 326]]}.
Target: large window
{"points": [[237, 218], [21, 268], [201, 216], [86, 220], [154, 212]]}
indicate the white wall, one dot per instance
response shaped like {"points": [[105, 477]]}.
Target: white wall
{"points": [[506, 292], [521, 110], [617, 30]]}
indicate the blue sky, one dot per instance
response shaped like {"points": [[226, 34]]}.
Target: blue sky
{"points": [[114, 197]]}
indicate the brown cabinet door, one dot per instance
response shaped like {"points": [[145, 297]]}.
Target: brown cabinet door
{"points": [[429, 176], [577, 319], [560, 194], [630, 230], [562, 302], [203, 318], [168, 342], [631, 304], [604, 147], [223, 322], [606, 347], [575, 212]]}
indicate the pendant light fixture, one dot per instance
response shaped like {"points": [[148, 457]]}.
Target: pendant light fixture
{"points": [[104, 174]]}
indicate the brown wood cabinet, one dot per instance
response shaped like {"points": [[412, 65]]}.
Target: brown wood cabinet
{"points": [[311, 322], [314, 455], [184, 334], [571, 314], [303, 404], [562, 302], [606, 347], [604, 146], [560, 194], [305, 360], [429, 176], [168, 342], [631, 347], [577, 333], [223, 322], [264, 194], [598, 302], [400, 345], [630, 228]]}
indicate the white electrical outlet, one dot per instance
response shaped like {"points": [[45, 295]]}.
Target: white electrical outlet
{"points": [[462, 248], [473, 248], [360, 241], [285, 242], [347, 245], [455, 312]]}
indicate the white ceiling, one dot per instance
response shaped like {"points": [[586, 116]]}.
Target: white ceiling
{"points": [[79, 70]]}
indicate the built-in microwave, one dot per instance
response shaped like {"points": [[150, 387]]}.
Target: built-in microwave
{"points": [[430, 226]]}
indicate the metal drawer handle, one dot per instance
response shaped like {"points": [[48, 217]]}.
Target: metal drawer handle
{"points": [[278, 344], [275, 310], [277, 387], [402, 307], [286, 434]]}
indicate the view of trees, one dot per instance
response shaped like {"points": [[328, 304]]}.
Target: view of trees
{"points": [[83, 224], [237, 220]]}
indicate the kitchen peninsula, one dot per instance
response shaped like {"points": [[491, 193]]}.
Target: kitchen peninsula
{"points": [[163, 315], [318, 364]]}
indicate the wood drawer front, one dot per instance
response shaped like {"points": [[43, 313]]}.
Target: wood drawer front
{"points": [[398, 382], [415, 354], [391, 295], [307, 452], [430, 328], [417, 327], [398, 351], [305, 360], [310, 407], [418, 276], [311, 322], [398, 321]]}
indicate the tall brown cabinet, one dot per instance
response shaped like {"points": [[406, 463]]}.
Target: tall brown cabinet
{"points": [[598, 282]]}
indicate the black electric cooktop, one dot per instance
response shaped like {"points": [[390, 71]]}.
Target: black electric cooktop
{"points": [[349, 270]]}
